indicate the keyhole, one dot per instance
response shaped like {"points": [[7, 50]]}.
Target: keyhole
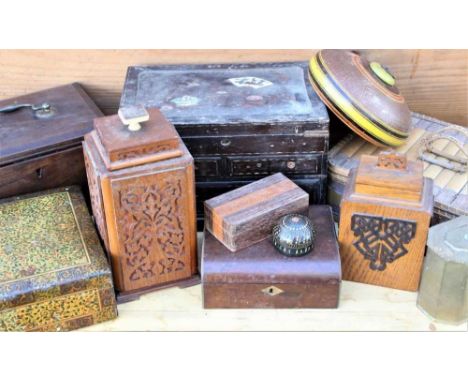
{"points": [[271, 290]]}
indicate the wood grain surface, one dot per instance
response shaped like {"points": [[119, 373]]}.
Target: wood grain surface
{"points": [[245, 216], [433, 81], [382, 239]]}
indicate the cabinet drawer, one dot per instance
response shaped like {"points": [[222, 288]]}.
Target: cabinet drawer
{"points": [[255, 144], [207, 166], [287, 164], [62, 168]]}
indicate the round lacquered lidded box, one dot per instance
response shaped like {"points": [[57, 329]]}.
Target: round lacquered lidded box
{"points": [[294, 235], [363, 95]]}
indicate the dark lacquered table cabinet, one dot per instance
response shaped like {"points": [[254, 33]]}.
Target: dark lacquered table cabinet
{"points": [[41, 149], [240, 122]]}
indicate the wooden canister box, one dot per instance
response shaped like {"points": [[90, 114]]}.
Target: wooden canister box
{"points": [[142, 192], [384, 221]]}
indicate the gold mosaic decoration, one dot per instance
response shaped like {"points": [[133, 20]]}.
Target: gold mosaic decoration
{"points": [[54, 275], [39, 235], [65, 313]]}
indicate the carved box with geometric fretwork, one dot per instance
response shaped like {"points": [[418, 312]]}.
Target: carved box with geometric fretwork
{"points": [[141, 184], [384, 221]]}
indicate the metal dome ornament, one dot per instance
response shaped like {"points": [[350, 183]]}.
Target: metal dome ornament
{"points": [[294, 235]]}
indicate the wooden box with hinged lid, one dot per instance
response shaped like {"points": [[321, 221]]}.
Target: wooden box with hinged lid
{"points": [[142, 193], [384, 221], [260, 276], [41, 135]]}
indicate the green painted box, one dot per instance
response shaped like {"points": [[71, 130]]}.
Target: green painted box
{"points": [[54, 275]]}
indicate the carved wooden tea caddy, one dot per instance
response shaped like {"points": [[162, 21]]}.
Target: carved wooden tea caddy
{"points": [[142, 192]]}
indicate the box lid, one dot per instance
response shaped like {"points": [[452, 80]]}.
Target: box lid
{"points": [[218, 94], [25, 133], [262, 263], [136, 136], [389, 175], [48, 247], [449, 240], [362, 94]]}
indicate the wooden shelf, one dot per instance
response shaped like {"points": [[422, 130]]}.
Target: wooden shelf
{"points": [[362, 308]]}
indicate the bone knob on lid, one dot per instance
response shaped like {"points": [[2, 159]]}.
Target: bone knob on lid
{"points": [[133, 116]]}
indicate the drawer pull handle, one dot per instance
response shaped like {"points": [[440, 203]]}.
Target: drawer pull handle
{"points": [[40, 172], [291, 164], [225, 142]]}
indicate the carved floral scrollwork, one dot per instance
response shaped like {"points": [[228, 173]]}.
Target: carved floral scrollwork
{"points": [[143, 151], [154, 238], [96, 202]]}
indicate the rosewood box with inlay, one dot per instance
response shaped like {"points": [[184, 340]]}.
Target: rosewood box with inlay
{"points": [[141, 184], [244, 216]]}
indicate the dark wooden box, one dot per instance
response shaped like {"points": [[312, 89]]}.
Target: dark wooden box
{"points": [[235, 109], [240, 122], [43, 151], [261, 277]]}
